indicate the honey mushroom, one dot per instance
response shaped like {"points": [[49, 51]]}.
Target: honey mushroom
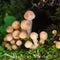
{"points": [[29, 15], [12, 42], [43, 37], [16, 25], [34, 37], [18, 43], [57, 43], [23, 35], [9, 37], [25, 25], [28, 44], [9, 29], [15, 34], [54, 32], [8, 46], [14, 47]]}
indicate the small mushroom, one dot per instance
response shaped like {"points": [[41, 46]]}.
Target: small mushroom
{"points": [[23, 35], [12, 42], [57, 43], [9, 37], [43, 35], [15, 34], [14, 47], [34, 37], [54, 32], [29, 15], [25, 25], [9, 29], [16, 25], [19, 43], [7, 45], [28, 44]]}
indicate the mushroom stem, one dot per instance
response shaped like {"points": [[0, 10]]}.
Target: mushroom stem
{"points": [[35, 41]]}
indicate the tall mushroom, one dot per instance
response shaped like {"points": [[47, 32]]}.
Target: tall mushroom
{"points": [[29, 15], [43, 37], [34, 37]]}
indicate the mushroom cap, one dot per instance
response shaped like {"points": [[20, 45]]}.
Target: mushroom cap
{"points": [[43, 35], [58, 45], [9, 37], [5, 38], [33, 35], [16, 25], [9, 29], [25, 25], [23, 34], [12, 42], [28, 44], [54, 32], [14, 47], [29, 15], [7, 45], [18, 42], [15, 34]]}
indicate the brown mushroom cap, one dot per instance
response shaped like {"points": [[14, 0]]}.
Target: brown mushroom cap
{"points": [[25, 25], [42, 41], [29, 15], [16, 25], [43, 35], [28, 44], [33, 35], [18, 42], [14, 47], [12, 42], [9, 37], [58, 45], [7, 45], [23, 35], [54, 32], [9, 29], [15, 34]]}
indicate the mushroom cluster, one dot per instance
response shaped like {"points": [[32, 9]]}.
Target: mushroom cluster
{"points": [[17, 33], [57, 42]]}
